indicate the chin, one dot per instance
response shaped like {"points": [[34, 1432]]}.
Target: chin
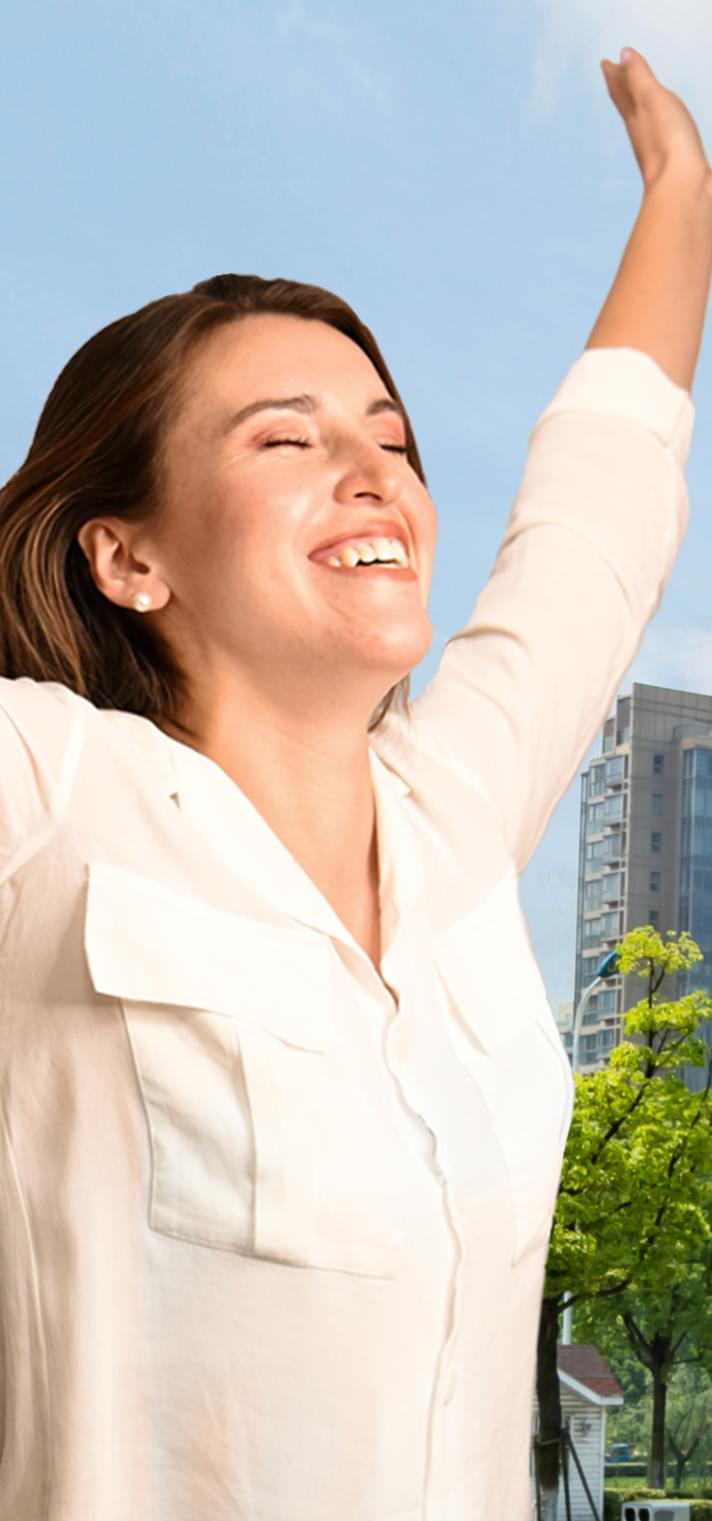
{"points": [[400, 655]]}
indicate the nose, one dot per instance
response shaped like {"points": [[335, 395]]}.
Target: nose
{"points": [[367, 470]]}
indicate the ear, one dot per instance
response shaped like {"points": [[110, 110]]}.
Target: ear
{"points": [[117, 570]]}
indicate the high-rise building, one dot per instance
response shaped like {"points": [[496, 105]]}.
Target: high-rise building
{"points": [[645, 851]]}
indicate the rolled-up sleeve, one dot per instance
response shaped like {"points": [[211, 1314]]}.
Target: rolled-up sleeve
{"points": [[589, 546]]}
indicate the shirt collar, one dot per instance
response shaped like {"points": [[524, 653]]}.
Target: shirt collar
{"points": [[227, 822]]}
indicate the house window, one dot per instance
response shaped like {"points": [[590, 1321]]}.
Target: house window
{"points": [[657, 802], [658, 765], [655, 878], [654, 917], [656, 843]]}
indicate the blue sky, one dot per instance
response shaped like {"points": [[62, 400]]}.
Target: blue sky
{"points": [[456, 171]]}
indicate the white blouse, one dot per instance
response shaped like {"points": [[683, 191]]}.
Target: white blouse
{"points": [[273, 1228]]}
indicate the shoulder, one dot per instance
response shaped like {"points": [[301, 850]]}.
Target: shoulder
{"points": [[43, 715], [42, 726]]}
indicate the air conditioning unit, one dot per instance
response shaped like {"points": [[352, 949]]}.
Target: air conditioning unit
{"points": [[656, 1510]]}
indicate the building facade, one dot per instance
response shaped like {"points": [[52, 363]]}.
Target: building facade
{"points": [[645, 851], [587, 1390]]}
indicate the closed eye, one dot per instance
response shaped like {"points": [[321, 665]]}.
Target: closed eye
{"points": [[305, 443]]}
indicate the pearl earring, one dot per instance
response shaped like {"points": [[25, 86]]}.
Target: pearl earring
{"points": [[141, 602]]}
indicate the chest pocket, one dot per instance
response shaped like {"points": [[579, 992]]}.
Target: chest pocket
{"points": [[257, 1146], [504, 1033]]}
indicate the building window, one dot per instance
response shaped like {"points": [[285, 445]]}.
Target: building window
{"points": [[594, 818], [623, 708], [658, 765], [610, 887], [702, 801], [655, 878], [597, 781], [656, 843], [657, 802], [615, 770], [612, 808], [654, 917]]}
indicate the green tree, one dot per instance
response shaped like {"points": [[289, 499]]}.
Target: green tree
{"points": [[668, 1329], [690, 1420], [633, 1209]]}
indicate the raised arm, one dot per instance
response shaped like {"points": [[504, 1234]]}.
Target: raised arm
{"points": [[601, 511], [659, 298]]}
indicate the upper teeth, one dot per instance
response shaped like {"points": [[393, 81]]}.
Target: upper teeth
{"points": [[366, 551]]}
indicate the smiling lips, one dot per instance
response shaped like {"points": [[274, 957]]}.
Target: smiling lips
{"points": [[373, 554]]}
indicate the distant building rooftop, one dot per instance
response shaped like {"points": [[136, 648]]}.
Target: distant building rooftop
{"points": [[582, 1364]]}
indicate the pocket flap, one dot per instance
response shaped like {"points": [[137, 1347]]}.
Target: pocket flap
{"points": [[149, 944]]}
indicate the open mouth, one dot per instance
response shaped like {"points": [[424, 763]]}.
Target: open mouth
{"points": [[365, 555], [375, 567]]}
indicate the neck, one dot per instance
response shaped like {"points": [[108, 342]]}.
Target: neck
{"points": [[310, 779]]}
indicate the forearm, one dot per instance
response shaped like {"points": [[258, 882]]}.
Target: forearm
{"points": [[658, 300]]}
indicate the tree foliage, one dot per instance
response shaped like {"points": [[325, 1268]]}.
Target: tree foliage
{"points": [[632, 1233], [634, 1204]]}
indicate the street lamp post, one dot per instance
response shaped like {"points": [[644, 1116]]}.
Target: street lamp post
{"points": [[607, 968]]}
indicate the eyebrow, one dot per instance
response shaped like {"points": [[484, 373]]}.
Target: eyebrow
{"points": [[302, 404]]}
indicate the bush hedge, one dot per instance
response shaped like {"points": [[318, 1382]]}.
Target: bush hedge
{"points": [[614, 1500]]}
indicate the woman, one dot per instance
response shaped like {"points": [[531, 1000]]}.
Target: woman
{"points": [[283, 1104]]}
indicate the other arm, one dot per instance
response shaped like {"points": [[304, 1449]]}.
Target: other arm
{"points": [[601, 511], [658, 300]]}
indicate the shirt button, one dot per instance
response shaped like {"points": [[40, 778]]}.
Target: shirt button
{"points": [[449, 1389]]}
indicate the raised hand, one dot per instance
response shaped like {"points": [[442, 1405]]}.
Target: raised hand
{"points": [[663, 134]]}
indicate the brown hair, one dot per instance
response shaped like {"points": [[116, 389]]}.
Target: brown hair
{"points": [[96, 451]]}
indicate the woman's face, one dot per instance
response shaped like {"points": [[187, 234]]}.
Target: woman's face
{"points": [[286, 452]]}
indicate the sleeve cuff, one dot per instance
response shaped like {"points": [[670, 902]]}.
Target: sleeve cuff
{"points": [[621, 382]]}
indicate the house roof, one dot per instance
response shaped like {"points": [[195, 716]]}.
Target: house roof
{"points": [[582, 1367]]}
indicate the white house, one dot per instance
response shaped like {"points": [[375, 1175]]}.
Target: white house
{"points": [[588, 1389]]}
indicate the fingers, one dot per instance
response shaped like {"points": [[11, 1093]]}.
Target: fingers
{"points": [[631, 82], [618, 85], [633, 68]]}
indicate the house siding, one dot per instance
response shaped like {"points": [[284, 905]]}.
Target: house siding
{"points": [[590, 1447]]}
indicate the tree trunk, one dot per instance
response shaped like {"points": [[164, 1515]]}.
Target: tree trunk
{"points": [[659, 1369], [680, 1463], [681, 1457], [549, 1398]]}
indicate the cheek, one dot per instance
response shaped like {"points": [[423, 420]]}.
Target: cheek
{"points": [[428, 530]]}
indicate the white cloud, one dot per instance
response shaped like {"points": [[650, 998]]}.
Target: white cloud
{"points": [[679, 658], [573, 35]]}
